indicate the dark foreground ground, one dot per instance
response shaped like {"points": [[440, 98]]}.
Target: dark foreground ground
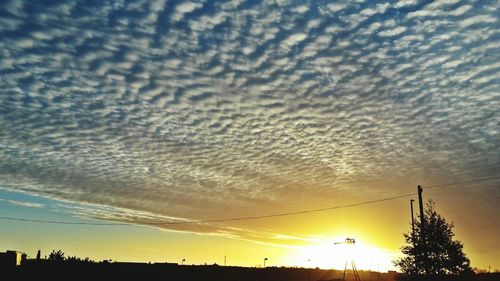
{"points": [[161, 271]]}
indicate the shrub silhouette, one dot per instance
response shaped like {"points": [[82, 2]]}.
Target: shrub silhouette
{"points": [[56, 256]]}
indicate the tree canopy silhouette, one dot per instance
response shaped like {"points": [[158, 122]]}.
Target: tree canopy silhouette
{"points": [[431, 250], [56, 256]]}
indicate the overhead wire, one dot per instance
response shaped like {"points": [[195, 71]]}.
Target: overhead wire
{"points": [[252, 217], [460, 182], [290, 213]]}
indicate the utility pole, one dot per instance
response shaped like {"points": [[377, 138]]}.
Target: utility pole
{"points": [[224, 260], [413, 230], [412, 219], [421, 206], [422, 242]]}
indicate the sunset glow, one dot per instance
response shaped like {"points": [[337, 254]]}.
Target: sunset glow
{"points": [[326, 255]]}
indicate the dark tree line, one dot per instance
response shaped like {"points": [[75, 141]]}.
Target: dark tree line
{"points": [[59, 256]]}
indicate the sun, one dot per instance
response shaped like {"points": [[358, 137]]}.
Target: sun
{"points": [[326, 254]]}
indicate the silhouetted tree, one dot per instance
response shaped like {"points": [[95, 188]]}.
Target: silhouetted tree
{"points": [[56, 256], [73, 259], [38, 254], [431, 251]]}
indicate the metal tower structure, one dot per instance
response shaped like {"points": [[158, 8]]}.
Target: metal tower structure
{"points": [[349, 241]]}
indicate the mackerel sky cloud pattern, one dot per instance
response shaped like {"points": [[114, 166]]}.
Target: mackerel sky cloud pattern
{"points": [[166, 107]]}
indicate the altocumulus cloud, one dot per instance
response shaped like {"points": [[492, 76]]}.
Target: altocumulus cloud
{"points": [[189, 110]]}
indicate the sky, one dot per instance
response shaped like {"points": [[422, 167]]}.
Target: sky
{"points": [[146, 112]]}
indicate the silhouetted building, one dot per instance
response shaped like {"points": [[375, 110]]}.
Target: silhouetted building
{"points": [[11, 259], [392, 275]]}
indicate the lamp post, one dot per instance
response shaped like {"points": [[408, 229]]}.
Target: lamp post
{"points": [[309, 270], [265, 262], [182, 262]]}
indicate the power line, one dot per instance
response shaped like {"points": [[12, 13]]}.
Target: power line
{"points": [[327, 208], [460, 182], [253, 217], [217, 220], [290, 213]]}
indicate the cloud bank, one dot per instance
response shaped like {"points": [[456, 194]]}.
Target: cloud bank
{"points": [[192, 110]]}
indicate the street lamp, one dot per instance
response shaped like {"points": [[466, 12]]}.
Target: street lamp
{"points": [[309, 270], [182, 262], [265, 262]]}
